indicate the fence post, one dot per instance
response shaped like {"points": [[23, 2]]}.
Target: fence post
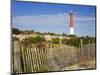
{"points": [[81, 51]]}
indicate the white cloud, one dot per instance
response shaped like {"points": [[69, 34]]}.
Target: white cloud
{"points": [[55, 23], [57, 19], [84, 20]]}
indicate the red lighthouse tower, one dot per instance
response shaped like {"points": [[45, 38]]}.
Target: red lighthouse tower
{"points": [[71, 23]]}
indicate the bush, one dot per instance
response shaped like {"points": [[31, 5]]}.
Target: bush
{"points": [[55, 40], [35, 40], [74, 42]]}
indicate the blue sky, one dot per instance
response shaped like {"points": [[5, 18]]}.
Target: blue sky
{"points": [[45, 17]]}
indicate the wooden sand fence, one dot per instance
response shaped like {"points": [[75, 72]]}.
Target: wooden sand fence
{"points": [[49, 59]]}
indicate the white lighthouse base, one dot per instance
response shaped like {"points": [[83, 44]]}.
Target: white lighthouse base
{"points": [[71, 30]]}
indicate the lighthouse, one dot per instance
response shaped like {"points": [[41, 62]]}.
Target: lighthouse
{"points": [[71, 23]]}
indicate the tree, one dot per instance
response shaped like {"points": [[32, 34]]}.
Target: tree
{"points": [[63, 34], [16, 31], [72, 36], [87, 39]]}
